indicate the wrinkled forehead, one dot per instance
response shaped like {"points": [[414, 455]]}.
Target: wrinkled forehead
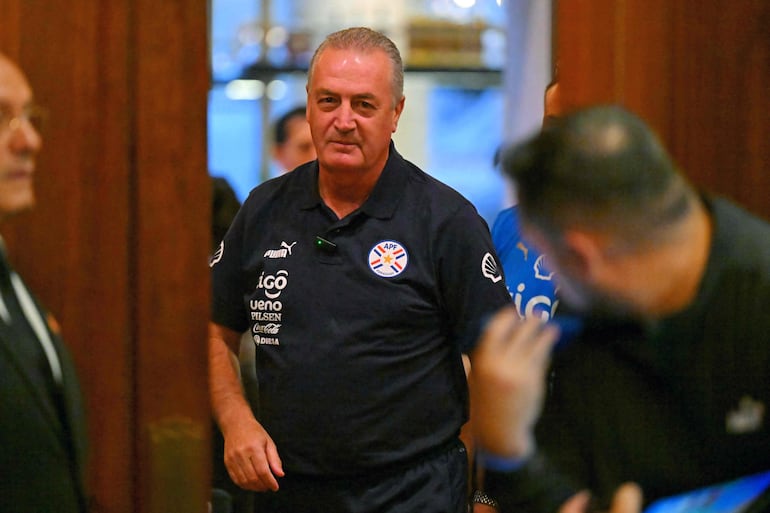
{"points": [[15, 91]]}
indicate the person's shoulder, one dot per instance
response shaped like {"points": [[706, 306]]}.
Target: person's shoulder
{"points": [[740, 231], [280, 186], [506, 221], [505, 229], [725, 208], [740, 253]]}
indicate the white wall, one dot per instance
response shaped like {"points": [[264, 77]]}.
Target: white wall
{"points": [[528, 69]]}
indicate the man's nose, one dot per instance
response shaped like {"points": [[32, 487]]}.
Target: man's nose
{"points": [[345, 118], [24, 136]]}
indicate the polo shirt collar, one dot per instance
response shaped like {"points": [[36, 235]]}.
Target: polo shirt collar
{"points": [[305, 187], [388, 190], [383, 200]]}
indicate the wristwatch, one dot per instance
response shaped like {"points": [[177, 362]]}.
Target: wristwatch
{"points": [[480, 497]]}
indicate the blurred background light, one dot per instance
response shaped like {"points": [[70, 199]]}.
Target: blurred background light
{"points": [[245, 89]]}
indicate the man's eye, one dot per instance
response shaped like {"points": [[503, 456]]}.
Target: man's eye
{"points": [[365, 108]]}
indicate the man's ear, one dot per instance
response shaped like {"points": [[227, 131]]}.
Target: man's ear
{"points": [[581, 254], [397, 113]]}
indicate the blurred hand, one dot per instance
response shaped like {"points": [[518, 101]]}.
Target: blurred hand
{"points": [[507, 382], [251, 457], [627, 499]]}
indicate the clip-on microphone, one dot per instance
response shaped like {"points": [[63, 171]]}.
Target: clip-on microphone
{"points": [[324, 244]]}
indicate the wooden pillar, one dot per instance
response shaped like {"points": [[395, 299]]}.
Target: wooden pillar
{"points": [[118, 243], [698, 72]]}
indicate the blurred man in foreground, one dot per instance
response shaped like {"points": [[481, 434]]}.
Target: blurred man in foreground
{"points": [[666, 385]]}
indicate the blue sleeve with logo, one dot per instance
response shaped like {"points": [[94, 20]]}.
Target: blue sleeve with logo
{"points": [[527, 277]]}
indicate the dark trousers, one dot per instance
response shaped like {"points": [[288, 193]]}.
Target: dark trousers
{"points": [[434, 484]]}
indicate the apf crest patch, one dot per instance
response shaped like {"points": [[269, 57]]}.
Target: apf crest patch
{"points": [[388, 258]]}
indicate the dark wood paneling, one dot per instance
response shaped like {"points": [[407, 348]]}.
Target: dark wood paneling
{"points": [[172, 183], [586, 55], [721, 97], [645, 60], [117, 245], [698, 72], [10, 40], [615, 51]]}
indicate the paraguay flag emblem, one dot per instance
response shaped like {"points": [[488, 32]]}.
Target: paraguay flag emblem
{"points": [[388, 258]]}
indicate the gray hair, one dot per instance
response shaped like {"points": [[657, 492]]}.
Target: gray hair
{"points": [[365, 39]]}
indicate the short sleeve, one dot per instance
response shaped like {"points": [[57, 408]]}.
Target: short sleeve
{"points": [[227, 307], [470, 275]]}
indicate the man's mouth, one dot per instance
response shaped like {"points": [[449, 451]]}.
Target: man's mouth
{"points": [[22, 172]]}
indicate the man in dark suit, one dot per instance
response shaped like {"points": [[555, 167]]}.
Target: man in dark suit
{"points": [[42, 427]]}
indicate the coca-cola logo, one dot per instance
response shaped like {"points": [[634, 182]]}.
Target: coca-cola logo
{"points": [[271, 328]]}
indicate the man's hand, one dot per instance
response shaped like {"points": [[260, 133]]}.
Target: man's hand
{"points": [[507, 382], [627, 499], [251, 457]]}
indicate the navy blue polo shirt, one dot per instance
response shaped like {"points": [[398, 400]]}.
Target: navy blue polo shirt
{"points": [[358, 341]]}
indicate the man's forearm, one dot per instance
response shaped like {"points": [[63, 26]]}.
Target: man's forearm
{"points": [[228, 401]]}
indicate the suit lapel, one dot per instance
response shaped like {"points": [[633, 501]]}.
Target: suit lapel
{"points": [[73, 401], [72, 395], [38, 391], [61, 406]]}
